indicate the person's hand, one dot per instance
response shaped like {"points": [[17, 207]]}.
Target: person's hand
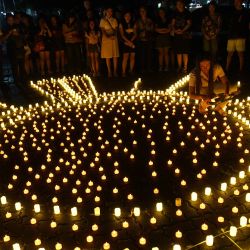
{"points": [[207, 37], [178, 31]]}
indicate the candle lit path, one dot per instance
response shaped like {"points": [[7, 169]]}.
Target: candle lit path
{"points": [[123, 170]]}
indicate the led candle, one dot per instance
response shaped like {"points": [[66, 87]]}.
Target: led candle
{"points": [[3, 200], [178, 234], [6, 238], [220, 219], [176, 247], [207, 191], [58, 246], [114, 234], [37, 242], [223, 186], [74, 211], [97, 211], [179, 212], [137, 211], [243, 221], [37, 208], [210, 240], [248, 197], [194, 196], [106, 245], [153, 220], [56, 209], [142, 241], [178, 202], [89, 238], [159, 207], [125, 224], [233, 231], [233, 181], [117, 212], [242, 174], [16, 246], [18, 206]]}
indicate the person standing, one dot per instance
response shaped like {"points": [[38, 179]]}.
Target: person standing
{"points": [[15, 49], [181, 24], [109, 44], [145, 32], [73, 41], [58, 44], [237, 33], [43, 46], [128, 34], [92, 36], [211, 25], [163, 42]]}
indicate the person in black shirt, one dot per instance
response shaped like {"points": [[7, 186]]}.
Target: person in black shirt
{"points": [[163, 42], [128, 34], [181, 24], [237, 33], [15, 49]]}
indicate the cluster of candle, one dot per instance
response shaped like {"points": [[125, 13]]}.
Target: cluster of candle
{"points": [[102, 158]]}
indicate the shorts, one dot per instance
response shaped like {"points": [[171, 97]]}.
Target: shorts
{"points": [[163, 41], [93, 48], [238, 45]]}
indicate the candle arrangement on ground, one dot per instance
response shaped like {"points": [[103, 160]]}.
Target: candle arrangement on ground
{"points": [[123, 170]]}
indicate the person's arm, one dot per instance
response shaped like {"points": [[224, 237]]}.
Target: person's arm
{"points": [[135, 34], [173, 25], [122, 34], [4, 37], [104, 33], [219, 25], [192, 84], [189, 23], [225, 81], [162, 30], [222, 77]]}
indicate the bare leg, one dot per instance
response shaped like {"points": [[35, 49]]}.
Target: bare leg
{"points": [[96, 57], [241, 60], [92, 63], [160, 58], [132, 62], [179, 61], [57, 61], [62, 59], [166, 58], [41, 62], [27, 65], [185, 61], [172, 57], [124, 63], [108, 63], [47, 59], [229, 59], [115, 61]]}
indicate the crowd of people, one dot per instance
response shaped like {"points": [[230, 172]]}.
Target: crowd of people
{"points": [[55, 46]]}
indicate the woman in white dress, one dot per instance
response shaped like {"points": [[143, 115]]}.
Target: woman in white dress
{"points": [[109, 46]]}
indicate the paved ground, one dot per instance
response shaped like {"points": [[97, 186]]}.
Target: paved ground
{"points": [[164, 148]]}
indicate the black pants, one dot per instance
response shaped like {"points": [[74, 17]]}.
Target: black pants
{"points": [[145, 50], [17, 66], [74, 57]]}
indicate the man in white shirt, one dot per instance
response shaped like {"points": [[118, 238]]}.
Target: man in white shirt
{"points": [[207, 81]]}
